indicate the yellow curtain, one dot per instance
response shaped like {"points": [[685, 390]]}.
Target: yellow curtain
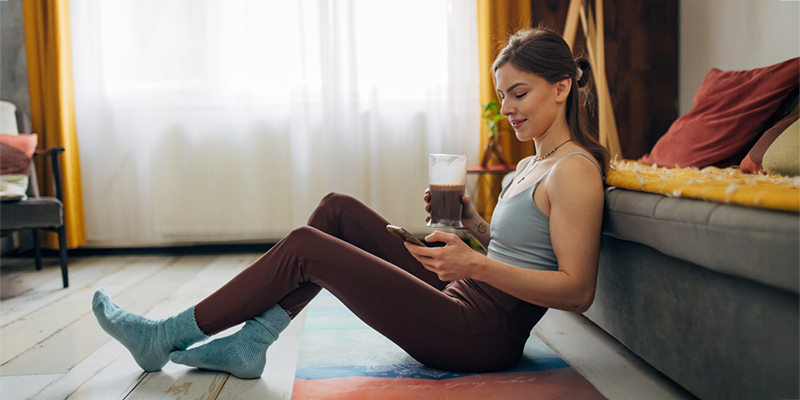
{"points": [[47, 43], [497, 20]]}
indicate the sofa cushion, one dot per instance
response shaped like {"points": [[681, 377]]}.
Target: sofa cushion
{"points": [[731, 109], [41, 212], [756, 244]]}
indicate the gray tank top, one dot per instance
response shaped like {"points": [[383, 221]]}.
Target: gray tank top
{"points": [[520, 231]]}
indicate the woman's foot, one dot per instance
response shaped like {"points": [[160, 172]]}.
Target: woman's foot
{"points": [[148, 341], [243, 354]]}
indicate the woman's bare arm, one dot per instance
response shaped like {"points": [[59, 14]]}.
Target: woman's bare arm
{"points": [[474, 224]]}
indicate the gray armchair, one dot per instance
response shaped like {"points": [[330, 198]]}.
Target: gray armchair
{"points": [[37, 212]]}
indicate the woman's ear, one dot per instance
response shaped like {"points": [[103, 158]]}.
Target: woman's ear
{"points": [[563, 88]]}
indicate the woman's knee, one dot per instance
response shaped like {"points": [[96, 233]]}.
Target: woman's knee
{"points": [[303, 243], [302, 235], [330, 208], [337, 201]]}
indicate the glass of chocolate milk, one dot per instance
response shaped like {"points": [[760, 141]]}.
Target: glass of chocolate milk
{"points": [[447, 175]]}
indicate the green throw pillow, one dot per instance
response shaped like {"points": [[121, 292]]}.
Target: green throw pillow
{"points": [[783, 156]]}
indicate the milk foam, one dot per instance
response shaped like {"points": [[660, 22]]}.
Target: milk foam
{"points": [[445, 169]]}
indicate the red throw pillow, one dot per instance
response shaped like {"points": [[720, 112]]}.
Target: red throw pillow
{"points": [[730, 110], [752, 163], [16, 152]]}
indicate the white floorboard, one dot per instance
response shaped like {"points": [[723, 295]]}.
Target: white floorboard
{"points": [[52, 291], [80, 338], [39, 321], [24, 387], [94, 365]]}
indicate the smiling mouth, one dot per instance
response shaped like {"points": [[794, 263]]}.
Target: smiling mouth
{"points": [[516, 123]]}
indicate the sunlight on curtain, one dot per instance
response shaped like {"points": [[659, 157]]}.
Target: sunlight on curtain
{"points": [[205, 121]]}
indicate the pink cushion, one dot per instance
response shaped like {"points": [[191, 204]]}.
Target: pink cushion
{"points": [[16, 152], [730, 110]]}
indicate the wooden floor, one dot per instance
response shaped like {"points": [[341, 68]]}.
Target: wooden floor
{"points": [[51, 346]]}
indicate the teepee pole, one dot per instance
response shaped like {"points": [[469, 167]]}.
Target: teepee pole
{"points": [[593, 31]]}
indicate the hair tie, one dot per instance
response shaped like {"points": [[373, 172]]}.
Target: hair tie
{"points": [[579, 75]]}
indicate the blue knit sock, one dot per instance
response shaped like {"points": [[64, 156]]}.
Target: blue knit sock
{"points": [[243, 354], [149, 341]]}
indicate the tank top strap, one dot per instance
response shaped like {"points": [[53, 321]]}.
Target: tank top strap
{"points": [[570, 155]]}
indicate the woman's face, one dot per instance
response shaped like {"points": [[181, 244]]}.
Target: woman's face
{"points": [[531, 104]]}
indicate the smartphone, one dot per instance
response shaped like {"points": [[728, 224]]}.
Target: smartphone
{"points": [[403, 234]]}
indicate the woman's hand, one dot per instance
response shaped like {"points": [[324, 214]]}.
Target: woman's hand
{"points": [[472, 221], [468, 212], [454, 261]]}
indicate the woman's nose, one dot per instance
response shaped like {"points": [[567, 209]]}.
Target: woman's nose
{"points": [[506, 109]]}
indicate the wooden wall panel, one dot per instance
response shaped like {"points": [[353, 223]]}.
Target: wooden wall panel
{"points": [[641, 42]]}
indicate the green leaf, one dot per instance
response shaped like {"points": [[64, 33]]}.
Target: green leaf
{"points": [[491, 113]]}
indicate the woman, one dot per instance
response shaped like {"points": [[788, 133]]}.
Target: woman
{"points": [[449, 307]]}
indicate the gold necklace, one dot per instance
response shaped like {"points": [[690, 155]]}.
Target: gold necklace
{"points": [[537, 159]]}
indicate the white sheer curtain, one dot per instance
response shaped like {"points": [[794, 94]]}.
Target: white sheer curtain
{"points": [[216, 121]]}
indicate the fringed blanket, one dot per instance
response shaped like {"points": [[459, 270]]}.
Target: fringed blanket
{"points": [[728, 185]]}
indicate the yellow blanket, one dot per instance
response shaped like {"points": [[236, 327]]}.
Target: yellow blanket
{"points": [[728, 185]]}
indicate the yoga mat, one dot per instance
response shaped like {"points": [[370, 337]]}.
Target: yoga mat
{"points": [[343, 358]]}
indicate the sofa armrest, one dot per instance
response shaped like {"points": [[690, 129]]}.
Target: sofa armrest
{"points": [[49, 151]]}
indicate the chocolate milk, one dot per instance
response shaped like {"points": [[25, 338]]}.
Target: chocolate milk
{"points": [[446, 179], [446, 204]]}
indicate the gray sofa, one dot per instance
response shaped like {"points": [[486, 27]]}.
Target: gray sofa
{"points": [[707, 293]]}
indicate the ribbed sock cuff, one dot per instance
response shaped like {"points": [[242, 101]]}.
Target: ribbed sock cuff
{"points": [[185, 330], [275, 320]]}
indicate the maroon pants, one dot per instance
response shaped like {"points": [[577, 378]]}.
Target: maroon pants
{"points": [[463, 325]]}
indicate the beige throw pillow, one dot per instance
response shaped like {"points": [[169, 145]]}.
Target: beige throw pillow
{"points": [[783, 156]]}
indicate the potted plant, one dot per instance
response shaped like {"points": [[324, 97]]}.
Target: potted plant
{"points": [[491, 113]]}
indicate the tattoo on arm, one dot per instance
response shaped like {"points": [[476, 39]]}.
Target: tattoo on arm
{"points": [[482, 228]]}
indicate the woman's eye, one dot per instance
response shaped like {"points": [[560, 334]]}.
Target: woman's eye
{"points": [[521, 95]]}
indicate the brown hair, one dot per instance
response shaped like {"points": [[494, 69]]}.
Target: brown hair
{"points": [[544, 53]]}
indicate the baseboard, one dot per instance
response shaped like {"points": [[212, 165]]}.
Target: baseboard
{"points": [[172, 250]]}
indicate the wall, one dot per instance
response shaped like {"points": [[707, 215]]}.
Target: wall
{"points": [[13, 65], [733, 35]]}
